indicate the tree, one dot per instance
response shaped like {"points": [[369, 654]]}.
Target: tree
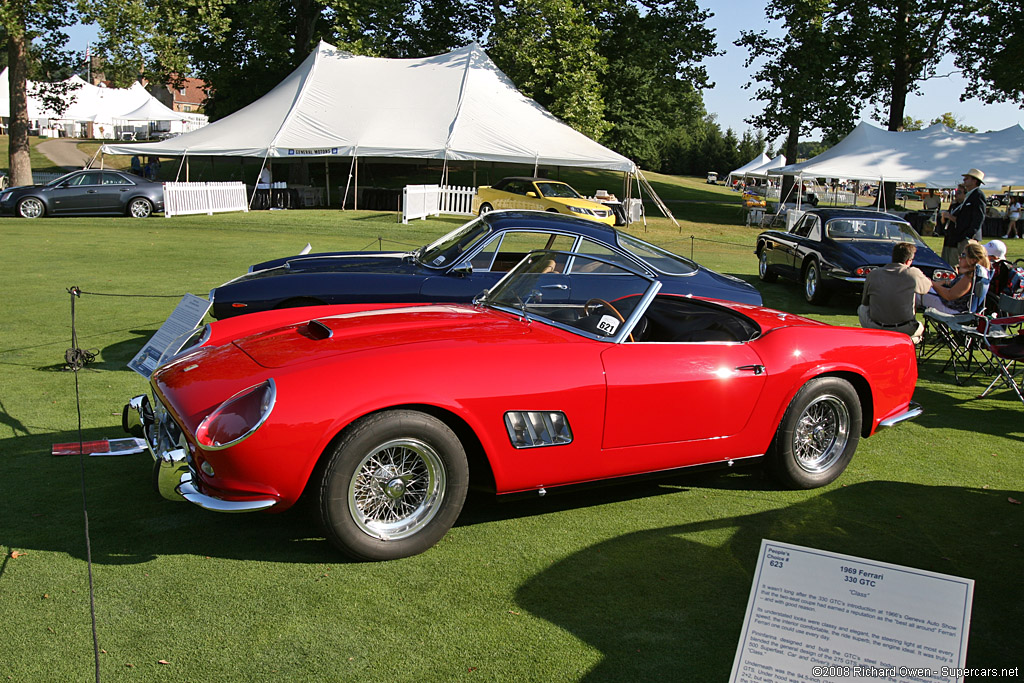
{"points": [[952, 122], [910, 123], [654, 77], [32, 27], [898, 43], [549, 50], [992, 56], [807, 80]]}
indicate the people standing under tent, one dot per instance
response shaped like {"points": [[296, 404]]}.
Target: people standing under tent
{"points": [[967, 218]]}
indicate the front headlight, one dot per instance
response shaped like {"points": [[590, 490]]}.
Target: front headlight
{"points": [[4, 196], [237, 418], [580, 209]]}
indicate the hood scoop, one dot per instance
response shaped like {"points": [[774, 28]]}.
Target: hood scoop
{"points": [[316, 330]]}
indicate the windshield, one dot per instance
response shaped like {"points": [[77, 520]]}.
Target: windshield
{"points": [[536, 290], [662, 260], [558, 190], [448, 248], [872, 229]]}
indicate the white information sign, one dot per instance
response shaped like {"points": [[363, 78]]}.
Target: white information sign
{"points": [[815, 615], [187, 315]]}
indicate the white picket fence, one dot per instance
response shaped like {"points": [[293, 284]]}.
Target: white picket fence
{"points": [[420, 201], [182, 199]]}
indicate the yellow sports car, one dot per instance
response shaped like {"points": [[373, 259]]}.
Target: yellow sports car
{"points": [[543, 195]]}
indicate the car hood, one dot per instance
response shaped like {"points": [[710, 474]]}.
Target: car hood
{"points": [[438, 325], [359, 262], [579, 203]]}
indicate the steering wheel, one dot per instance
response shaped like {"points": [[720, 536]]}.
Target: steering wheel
{"points": [[598, 304]]}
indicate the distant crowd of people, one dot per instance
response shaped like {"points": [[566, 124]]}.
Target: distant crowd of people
{"points": [[150, 170]]}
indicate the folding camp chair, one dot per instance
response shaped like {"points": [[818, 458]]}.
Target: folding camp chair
{"points": [[956, 332], [1006, 353]]}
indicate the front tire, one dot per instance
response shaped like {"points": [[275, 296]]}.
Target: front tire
{"points": [[485, 208], [393, 485], [31, 207], [140, 207], [814, 290], [818, 434]]}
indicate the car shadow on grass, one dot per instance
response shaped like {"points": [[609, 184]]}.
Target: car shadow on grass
{"points": [[665, 605]]}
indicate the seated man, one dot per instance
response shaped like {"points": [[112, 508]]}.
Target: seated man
{"points": [[889, 294]]}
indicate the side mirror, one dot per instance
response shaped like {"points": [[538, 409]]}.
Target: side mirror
{"points": [[531, 194], [463, 269]]}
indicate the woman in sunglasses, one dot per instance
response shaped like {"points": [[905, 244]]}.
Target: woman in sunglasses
{"points": [[962, 294]]}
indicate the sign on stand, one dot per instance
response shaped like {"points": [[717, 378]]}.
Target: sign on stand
{"points": [[815, 615], [187, 315]]}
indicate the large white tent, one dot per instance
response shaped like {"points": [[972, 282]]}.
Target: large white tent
{"points": [[756, 162], [456, 106], [936, 156], [105, 108]]}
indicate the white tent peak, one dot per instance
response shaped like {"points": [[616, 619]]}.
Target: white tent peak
{"points": [[457, 106]]}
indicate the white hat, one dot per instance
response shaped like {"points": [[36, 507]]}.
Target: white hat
{"points": [[976, 174], [996, 248]]}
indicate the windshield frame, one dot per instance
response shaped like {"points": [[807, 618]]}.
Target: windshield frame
{"points": [[487, 297], [452, 245]]}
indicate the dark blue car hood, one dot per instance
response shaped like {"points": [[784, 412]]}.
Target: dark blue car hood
{"points": [[340, 262]]}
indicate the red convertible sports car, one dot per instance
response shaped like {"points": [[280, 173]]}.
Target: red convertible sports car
{"points": [[381, 412]]}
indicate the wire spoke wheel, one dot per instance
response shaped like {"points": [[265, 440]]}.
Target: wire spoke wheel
{"points": [[397, 489], [821, 434]]}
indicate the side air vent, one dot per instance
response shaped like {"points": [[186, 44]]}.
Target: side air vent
{"points": [[318, 330], [533, 429]]}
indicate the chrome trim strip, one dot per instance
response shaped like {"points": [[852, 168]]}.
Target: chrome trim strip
{"points": [[187, 490], [913, 410]]}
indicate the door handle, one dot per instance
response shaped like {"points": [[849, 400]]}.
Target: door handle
{"points": [[559, 286], [756, 369]]}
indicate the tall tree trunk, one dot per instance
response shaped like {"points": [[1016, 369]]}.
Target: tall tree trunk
{"points": [[898, 96], [18, 147]]}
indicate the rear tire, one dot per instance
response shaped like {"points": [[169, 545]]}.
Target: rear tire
{"points": [[485, 208], [814, 291], [140, 207], [818, 434], [764, 271], [393, 485]]}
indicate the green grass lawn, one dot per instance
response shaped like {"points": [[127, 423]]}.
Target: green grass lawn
{"points": [[642, 581]]}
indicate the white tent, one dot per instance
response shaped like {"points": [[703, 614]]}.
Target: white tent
{"points": [[767, 168], [101, 106], [936, 155], [749, 166], [455, 106]]}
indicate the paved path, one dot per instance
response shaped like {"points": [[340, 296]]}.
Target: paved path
{"points": [[64, 152]]}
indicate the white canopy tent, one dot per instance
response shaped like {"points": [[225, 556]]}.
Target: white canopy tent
{"points": [[102, 107], [936, 156], [767, 168], [454, 106], [756, 162]]}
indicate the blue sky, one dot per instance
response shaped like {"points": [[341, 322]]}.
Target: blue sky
{"points": [[731, 103]]}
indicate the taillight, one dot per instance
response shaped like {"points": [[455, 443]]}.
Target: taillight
{"points": [[943, 276], [863, 271], [238, 417]]}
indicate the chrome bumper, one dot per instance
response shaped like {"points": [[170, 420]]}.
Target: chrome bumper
{"points": [[912, 411], [174, 478]]}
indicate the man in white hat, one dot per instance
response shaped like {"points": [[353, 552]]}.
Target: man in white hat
{"points": [[965, 220]]}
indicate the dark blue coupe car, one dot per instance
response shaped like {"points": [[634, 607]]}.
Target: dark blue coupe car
{"points": [[831, 250], [467, 261]]}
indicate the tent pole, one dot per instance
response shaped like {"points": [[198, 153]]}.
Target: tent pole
{"points": [[348, 182], [262, 166], [355, 193], [327, 180], [474, 174], [182, 163], [187, 170]]}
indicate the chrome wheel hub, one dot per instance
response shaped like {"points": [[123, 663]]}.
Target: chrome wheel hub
{"points": [[821, 434], [397, 489]]}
